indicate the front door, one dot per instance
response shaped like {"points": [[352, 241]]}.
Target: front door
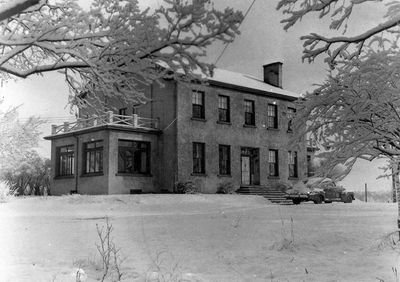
{"points": [[250, 166], [246, 180]]}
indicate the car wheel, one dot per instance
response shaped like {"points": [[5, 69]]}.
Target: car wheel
{"points": [[296, 201], [348, 199], [318, 200]]}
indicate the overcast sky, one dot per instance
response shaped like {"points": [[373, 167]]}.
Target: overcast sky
{"points": [[262, 40]]}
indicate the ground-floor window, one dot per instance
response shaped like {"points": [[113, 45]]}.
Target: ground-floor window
{"points": [[133, 157], [273, 163], [65, 160], [93, 157], [310, 167], [224, 159], [292, 164], [199, 158]]}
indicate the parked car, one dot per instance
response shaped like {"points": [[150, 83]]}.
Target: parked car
{"points": [[319, 190]]}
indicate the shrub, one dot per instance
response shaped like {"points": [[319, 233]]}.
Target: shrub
{"points": [[282, 186], [6, 193], [226, 188], [186, 187]]}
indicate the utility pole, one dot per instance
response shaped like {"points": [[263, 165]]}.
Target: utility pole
{"points": [[366, 190]]}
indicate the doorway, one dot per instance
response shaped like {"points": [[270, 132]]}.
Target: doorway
{"points": [[250, 166]]}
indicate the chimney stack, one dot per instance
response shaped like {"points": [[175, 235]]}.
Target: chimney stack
{"points": [[273, 74]]}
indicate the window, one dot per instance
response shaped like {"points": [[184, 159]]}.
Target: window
{"points": [[310, 167], [273, 163], [135, 108], [249, 118], [224, 159], [198, 104], [65, 160], [223, 109], [93, 157], [199, 158], [293, 164], [272, 116], [122, 117], [133, 157], [290, 115]]}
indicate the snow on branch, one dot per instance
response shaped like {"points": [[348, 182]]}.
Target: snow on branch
{"points": [[114, 45], [355, 113], [14, 7], [339, 47], [16, 138]]}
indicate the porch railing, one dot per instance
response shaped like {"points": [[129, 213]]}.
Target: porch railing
{"points": [[109, 118]]}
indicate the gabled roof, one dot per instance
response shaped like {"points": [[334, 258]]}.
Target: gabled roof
{"points": [[248, 83]]}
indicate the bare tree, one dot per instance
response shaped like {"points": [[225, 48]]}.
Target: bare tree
{"points": [[114, 47]]}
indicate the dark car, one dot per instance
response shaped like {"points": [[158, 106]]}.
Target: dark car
{"points": [[319, 190]]}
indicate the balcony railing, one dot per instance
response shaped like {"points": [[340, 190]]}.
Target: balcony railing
{"points": [[109, 118]]}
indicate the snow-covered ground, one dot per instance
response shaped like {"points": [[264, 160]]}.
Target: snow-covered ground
{"points": [[197, 238]]}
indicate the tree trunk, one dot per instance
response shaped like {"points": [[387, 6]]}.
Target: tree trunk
{"points": [[397, 188], [395, 185]]}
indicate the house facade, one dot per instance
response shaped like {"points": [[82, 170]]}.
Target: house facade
{"points": [[236, 128]]}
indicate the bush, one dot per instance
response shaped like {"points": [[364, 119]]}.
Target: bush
{"points": [[186, 187], [226, 188], [282, 186], [6, 193]]}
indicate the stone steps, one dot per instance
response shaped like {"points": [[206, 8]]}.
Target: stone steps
{"points": [[274, 195]]}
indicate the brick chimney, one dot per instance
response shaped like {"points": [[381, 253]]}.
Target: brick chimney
{"points": [[273, 74]]}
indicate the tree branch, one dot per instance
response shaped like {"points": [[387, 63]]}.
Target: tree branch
{"points": [[15, 7]]}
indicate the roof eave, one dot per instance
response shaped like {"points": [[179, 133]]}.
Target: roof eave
{"points": [[251, 90], [103, 127]]}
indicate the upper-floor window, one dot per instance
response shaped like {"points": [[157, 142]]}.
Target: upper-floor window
{"points": [[65, 160], [272, 116], [249, 115], [199, 164], [93, 157], [290, 115], [223, 109], [122, 115], [198, 104], [273, 163], [292, 164], [224, 159], [133, 157]]}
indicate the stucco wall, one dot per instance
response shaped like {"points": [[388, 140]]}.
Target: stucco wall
{"points": [[87, 184], [123, 183], [93, 184], [108, 182], [235, 134], [164, 108]]}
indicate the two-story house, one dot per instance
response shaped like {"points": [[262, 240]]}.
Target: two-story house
{"points": [[235, 128]]}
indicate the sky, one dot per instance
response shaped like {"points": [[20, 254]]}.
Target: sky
{"points": [[262, 40]]}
